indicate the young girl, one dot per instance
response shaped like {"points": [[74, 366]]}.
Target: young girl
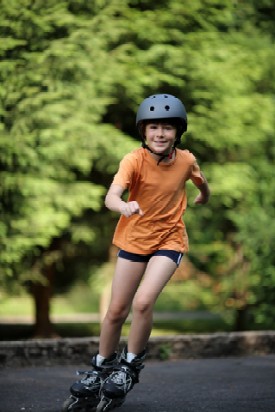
{"points": [[151, 237]]}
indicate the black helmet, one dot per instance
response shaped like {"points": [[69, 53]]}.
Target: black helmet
{"points": [[162, 106]]}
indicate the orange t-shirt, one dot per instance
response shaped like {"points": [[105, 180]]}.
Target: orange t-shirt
{"points": [[160, 193]]}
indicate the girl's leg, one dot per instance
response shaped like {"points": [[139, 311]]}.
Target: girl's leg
{"points": [[126, 280], [158, 272]]}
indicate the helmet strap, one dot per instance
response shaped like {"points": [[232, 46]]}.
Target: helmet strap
{"points": [[161, 156]]}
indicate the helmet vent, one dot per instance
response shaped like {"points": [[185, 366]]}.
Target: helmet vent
{"points": [[167, 108], [152, 108]]}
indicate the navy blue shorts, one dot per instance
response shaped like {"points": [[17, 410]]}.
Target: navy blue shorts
{"points": [[135, 257]]}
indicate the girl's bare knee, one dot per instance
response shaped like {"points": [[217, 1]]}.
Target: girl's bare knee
{"points": [[141, 306], [117, 314]]}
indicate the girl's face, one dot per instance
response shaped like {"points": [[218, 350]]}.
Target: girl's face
{"points": [[160, 137]]}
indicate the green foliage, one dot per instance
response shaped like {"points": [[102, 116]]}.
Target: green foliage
{"points": [[55, 85]]}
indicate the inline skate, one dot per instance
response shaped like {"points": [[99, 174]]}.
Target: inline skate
{"points": [[120, 382], [86, 393]]}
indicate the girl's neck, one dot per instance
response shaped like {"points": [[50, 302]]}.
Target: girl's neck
{"points": [[165, 158]]}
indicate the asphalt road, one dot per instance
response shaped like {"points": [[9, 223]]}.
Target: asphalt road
{"points": [[244, 384]]}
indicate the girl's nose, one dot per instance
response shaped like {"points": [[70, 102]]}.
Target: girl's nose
{"points": [[160, 131]]}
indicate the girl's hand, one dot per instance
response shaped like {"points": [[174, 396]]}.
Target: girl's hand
{"points": [[201, 199], [204, 194], [131, 208]]}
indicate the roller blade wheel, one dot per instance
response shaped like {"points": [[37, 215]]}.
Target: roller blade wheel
{"points": [[74, 404], [108, 404]]}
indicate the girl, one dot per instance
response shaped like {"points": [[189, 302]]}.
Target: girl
{"points": [[151, 237]]}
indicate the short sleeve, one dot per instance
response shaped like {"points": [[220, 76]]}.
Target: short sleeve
{"points": [[196, 175], [125, 172]]}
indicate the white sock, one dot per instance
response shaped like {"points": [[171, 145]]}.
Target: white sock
{"points": [[99, 359], [131, 356]]}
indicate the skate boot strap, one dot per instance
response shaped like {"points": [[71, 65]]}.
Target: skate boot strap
{"points": [[108, 363], [130, 370], [96, 369], [78, 373], [136, 364]]}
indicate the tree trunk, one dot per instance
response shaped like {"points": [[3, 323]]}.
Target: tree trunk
{"points": [[240, 319], [42, 294]]}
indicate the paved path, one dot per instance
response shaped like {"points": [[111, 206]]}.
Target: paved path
{"points": [[244, 384]]}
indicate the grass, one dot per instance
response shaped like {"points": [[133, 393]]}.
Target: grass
{"points": [[12, 306], [79, 300], [82, 299]]}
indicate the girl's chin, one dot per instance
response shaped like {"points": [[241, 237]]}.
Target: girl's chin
{"points": [[160, 150]]}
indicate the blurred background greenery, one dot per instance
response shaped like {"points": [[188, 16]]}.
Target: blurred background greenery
{"points": [[72, 76]]}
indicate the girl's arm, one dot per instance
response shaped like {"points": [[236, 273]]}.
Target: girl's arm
{"points": [[114, 202], [204, 194]]}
